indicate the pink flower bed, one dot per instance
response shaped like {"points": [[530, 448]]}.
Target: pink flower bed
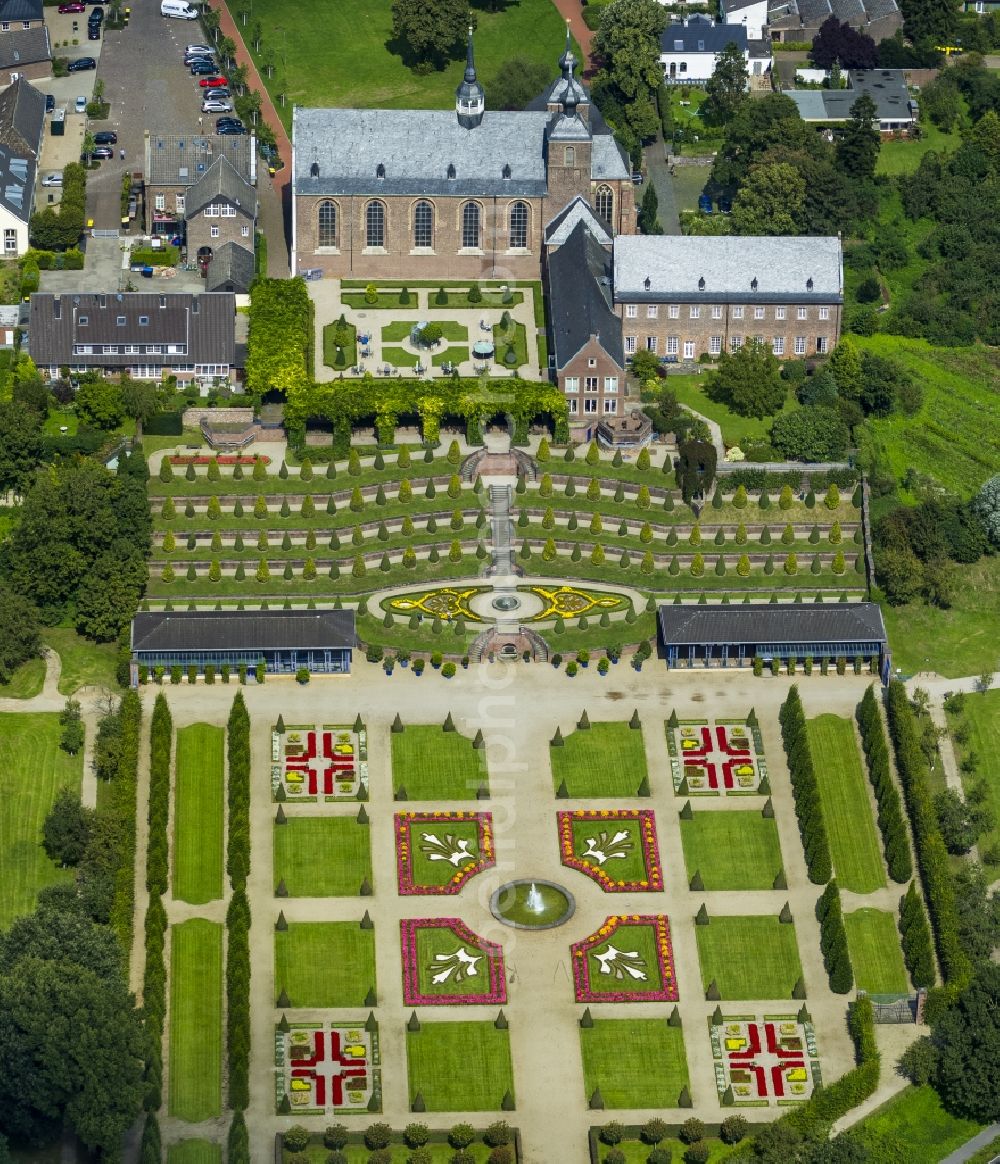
{"points": [[223, 459], [644, 818], [494, 994], [616, 928], [404, 850]]}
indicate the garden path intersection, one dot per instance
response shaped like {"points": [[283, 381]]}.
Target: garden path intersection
{"points": [[517, 708]]}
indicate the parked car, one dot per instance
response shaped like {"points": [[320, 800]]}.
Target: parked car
{"points": [[94, 31], [72, 7], [221, 121], [212, 82], [106, 137], [52, 180], [203, 69], [197, 48], [192, 61], [81, 105], [81, 65], [96, 13], [50, 102], [216, 105], [232, 130], [101, 153]]}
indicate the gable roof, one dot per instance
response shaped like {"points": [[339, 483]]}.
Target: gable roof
{"points": [[768, 623], [182, 159], [558, 229], [21, 10], [22, 116], [221, 181], [699, 36], [233, 630], [580, 298], [231, 269], [24, 46], [674, 265]]}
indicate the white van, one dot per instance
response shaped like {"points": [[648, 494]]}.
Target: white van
{"points": [[180, 9]]}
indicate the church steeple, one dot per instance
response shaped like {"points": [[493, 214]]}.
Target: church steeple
{"points": [[567, 62], [470, 100]]}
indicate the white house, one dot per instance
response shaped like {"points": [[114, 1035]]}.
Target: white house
{"points": [[22, 120], [751, 14], [689, 51]]}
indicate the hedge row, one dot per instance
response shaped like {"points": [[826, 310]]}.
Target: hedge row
{"points": [[157, 853], [122, 809], [915, 932], [805, 789], [154, 992], [238, 1000], [238, 1147], [890, 807], [151, 1148], [238, 741], [833, 940], [932, 856]]}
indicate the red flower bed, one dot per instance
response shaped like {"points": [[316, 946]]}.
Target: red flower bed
{"points": [[404, 850], [651, 883], [495, 994], [223, 459], [617, 928]]}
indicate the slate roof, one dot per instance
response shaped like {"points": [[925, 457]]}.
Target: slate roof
{"points": [[204, 323], [231, 268], [22, 117], [701, 37], [886, 87], [674, 265], [221, 181], [558, 229], [24, 46], [763, 622], [579, 302], [606, 159], [738, 5], [21, 10], [236, 630], [182, 159]]}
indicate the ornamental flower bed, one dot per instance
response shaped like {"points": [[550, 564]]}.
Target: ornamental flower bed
{"points": [[446, 964], [222, 458], [572, 602], [601, 843], [327, 1069], [445, 603], [310, 761], [631, 949], [437, 852], [764, 1061], [727, 758]]}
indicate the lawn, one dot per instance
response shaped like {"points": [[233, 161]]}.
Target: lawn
{"points": [[196, 1020], [873, 941], [26, 682], [634, 1062], [749, 957], [953, 642], [843, 793], [393, 333], [352, 65], [432, 764], [982, 713], [459, 1066], [84, 664], [324, 963], [731, 850], [194, 1152], [322, 856], [608, 759], [515, 336], [199, 792], [913, 1128], [345, 358], [903, 156], [32, 770], [736, 430]]}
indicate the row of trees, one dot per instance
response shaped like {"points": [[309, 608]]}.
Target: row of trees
{"points": [[238, 914], [891, 822], [157, 874], [808, 809], [915, 935], [833, 939]]}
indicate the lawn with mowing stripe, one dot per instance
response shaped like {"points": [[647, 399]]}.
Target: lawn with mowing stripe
{"points": [[873, 941], [843, 791], [194, 1152], [913, 1128], [199, 793], [196, 1020], [322, 856], [607, 759], [731, 850], [432, 764], [32, 770], [324, 963], [634, 1062], [462, 1066], [749, 957]]}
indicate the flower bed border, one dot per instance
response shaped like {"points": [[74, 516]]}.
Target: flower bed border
{"points": [[412, 994], [665, 962], [222, 458], [646, 820], [404, 850]]}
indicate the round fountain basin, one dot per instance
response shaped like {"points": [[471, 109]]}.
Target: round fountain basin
{"points": [[550, 906], [506, 602]]}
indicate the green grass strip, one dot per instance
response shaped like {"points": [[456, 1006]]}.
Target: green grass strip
{"points": [[459, 1066], [873, 941], [199, 797], [731, 849], [322, 856], [196, 1020], [324, 964], [608, 759], [749, 957], [194, 1152], [636, 1063], [432, 764]]}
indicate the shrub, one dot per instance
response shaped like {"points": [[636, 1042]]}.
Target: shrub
{"points": [[804, 788], [296, 1138], [378, 1136], [691, 1131], [733, 1129]]}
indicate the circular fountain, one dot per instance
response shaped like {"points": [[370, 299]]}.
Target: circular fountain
{"points": [[506, 603], [532, 905]]}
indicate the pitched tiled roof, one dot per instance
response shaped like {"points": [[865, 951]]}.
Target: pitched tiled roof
{"points": [[21, 10], [701, 37], [762, 622], [24, 46], [22, 115], [237, 630], [580, 298], [231, 268], [221, 181], [182, 159], [558, 230]]}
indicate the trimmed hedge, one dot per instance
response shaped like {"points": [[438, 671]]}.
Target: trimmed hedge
{"points": [[915, 934], [157, 873], [158, 817], [890, 807], [238, 914], [238, 844], [808, 809], [833, 940], [932, 856], [238, 1147]]}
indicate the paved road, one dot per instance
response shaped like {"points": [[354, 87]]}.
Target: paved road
{"points": [[658, 172], [971, 1147]]}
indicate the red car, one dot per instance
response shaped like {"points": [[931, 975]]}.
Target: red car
{"points": [[72, 7], [213, 82]]}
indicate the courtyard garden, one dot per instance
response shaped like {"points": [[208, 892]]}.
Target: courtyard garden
{"points": [[599, 760], [748, 957], [196, 1020], [652, 1074], [729, 850], [325, 964], [309, 761], [459, 1066], [322, 856], [760, 1061], [198, 796], [724, 758], [325, 1067], [437, 763]]}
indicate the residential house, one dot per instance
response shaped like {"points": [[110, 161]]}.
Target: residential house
{"points": [[144, 334], [895, 107], [231, 268], [690, 51], [22, 121], [800, 20], [175, 163], [26, 52], [684, 297], [21, 14], [751, 14], [220, 210]]}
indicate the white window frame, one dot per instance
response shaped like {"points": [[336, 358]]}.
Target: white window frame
{"points": [[717, 311], [571, 384], [631, 310], [652, 310], [591, 383], [694, 313], [630, 344], [821, 345], [824, 313], [673, 345], [159, 201], [715, 345], [689, 346], [779, 313], [735, 343], [800, 345], [778, 345], [758, 313], [610, 384], [610, 407], [571, 405], [651, 342], [802, 313], [738, 312], [674, 311], [214, 231], [590, 404]]}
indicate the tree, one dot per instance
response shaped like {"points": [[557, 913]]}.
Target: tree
{"points": [[99, 403], [432, 31], [138, 398], [19, 634], [73, 733], [941, 102], [726, 91], [649, 223], [810, 434], [748, 381], [517, 82], [696, 463], [986, 506], [21, 447], [935, 21], [109, 595], [956, 821], [66, 830], [770, 201], [858, 147], [628, 41], [646, 365], [837, 43], [967, 1037]]}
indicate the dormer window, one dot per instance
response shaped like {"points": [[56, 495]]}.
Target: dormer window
{"points": [[451, 170], [809, 283], [380, 171], [314, 170], [83, 321], [753, 283], [647, 283], [505, 172], [701, 283], [144, 321], [120, 321]]}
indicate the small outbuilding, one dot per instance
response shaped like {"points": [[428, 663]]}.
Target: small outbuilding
{"points": [[733, 636], [283, 640]]}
